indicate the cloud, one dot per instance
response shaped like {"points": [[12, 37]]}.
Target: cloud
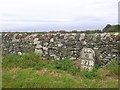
{"points": [[97, 12]]}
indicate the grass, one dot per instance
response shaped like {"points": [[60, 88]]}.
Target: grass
{"points": [[38, 79], [113, 67], [112, 33], [31, 71]]}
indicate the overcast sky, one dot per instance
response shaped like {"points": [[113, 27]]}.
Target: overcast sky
{"points": [[57, 14]]}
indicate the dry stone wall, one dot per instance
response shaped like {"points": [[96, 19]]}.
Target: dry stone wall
{"points": [[58, 46]]}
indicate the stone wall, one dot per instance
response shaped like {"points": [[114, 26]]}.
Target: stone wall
{"points": [[57, 46]]}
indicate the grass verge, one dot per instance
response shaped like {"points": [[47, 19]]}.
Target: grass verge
{"points": [[31, 71]]}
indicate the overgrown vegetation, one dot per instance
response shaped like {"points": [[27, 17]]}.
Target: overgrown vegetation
{"points": [[32, 60], [31, 71], [113, 67]]}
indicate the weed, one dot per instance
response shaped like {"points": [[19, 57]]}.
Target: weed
{"points": [[113, 67], [90, 74], [66, 65]]}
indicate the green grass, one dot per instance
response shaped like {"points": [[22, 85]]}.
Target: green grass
{"points": [[32, 60], [31, 71], [112, 33], [38, 79]]}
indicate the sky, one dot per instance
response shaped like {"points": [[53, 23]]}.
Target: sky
{"points": [[46, 15]]}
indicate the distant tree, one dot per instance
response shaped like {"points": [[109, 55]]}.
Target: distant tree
{"points": [[62, 31], [53, 31], [106, 28], [74, 31]]}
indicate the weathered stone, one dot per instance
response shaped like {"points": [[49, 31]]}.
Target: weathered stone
{"points": [[36, 41], [87, 57], [59, 45], [19, 53], [73, 58], [39, 51], [82, 36], [51, 40], [45, 48], [38, 47]]}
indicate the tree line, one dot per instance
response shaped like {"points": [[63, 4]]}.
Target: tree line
{"points": [[108, 28]]}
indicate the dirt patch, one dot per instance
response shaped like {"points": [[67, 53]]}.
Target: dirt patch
{"points": [[41, 71], [14, 70], [55, 74], [14, 77], [28, 69], [107, 75]]}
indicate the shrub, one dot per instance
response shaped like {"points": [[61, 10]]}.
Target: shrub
{"points": [[62, 64], [66, 65], [28, 60], [10, 60]]}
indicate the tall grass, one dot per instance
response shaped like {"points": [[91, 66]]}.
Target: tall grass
{"points": [[113, 67], [66, 65], [91, 74], [27, 60], [32, 60]]}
